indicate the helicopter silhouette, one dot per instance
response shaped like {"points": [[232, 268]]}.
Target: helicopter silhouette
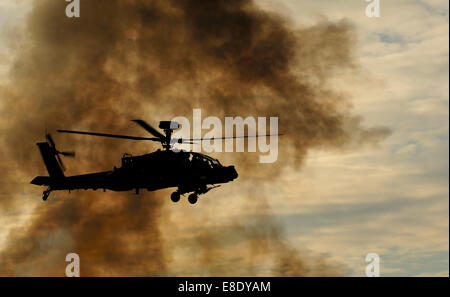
{"points": [[189, 172]]}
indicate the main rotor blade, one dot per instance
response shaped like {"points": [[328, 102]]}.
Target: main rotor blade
{"points": [[110, 135], [184, 141], [149, 128], [230, 137]]}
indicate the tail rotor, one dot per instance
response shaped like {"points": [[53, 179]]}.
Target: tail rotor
{"points": [[56, 152]]}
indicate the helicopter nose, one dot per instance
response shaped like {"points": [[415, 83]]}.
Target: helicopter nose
{"points": [[232, 173]]}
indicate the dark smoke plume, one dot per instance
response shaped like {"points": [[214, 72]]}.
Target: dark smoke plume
{"points": [[126, 59]]}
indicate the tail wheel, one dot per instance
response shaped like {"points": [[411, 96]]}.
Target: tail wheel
{"points": [[45, 195], [192, 198], [175, 197]]}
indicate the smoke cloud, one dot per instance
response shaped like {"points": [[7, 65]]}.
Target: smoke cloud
{"points": [[126, 59]]}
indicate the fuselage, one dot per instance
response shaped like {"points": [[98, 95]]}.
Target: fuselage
{"points": [[188, 171]]}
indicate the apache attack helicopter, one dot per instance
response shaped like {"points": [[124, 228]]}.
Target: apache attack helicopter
{"points": [[188, 171]]}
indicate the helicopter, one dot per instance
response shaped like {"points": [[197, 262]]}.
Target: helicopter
{"points": [[189, 172]]}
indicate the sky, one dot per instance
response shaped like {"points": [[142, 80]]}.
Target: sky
{"points": [[397, 204], [391, 199]]}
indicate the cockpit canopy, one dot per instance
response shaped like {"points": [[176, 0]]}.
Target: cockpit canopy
{"points": [[198, 157]]}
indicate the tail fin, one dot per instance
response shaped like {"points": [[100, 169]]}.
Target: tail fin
{"points": [[49, 157]]}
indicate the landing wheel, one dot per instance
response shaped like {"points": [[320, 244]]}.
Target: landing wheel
{"points": [[175, 197], [192, 198], [45, 196]]}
